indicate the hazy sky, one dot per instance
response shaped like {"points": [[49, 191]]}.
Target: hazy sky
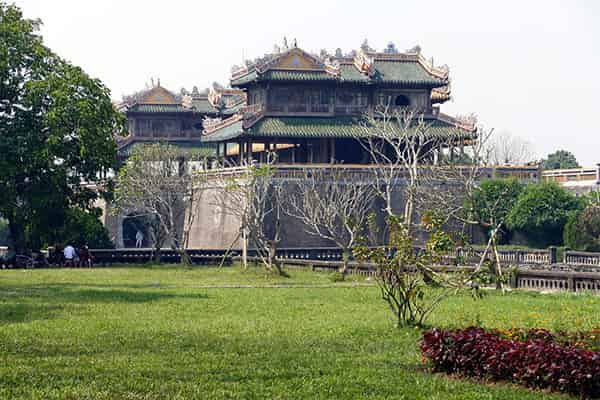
{"points": [[531, 68]]}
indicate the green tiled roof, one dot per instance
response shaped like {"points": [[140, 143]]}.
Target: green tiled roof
{"points": [[279, 75], [185, 145], [159, 108], [228, 132], [405, 72], [249, 77], [349, 73], [202, 105], [317, 127]]}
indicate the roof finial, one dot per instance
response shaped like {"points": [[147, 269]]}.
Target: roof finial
{"points": [[157, 82], [295, 43], [152, 81], [285, 43]]}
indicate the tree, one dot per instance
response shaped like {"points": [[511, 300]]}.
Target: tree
{"points": [[57, 129], [506, 149], [488, 206], [560, 159], [82, 227], [541, 211], [255, 199], [409, 158], [407, 282], [398, 144], [582, 231], [332, 204], [493, 200], [158, 183]]}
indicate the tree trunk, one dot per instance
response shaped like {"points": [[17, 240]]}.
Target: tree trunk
{"points": [[345, 260], [498, 269], [156, 256], [272, 257], [271, 251], [185, 257], [17, 235]]}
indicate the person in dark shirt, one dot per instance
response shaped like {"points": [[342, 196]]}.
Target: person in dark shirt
{"points": [[85, 258]]}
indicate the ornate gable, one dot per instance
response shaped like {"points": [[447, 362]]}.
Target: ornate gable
{"points": [[158, 95], [296, 59]]}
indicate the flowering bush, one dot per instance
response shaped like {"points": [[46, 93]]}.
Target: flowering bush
{"points": [[537, 362]]}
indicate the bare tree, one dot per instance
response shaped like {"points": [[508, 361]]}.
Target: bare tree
{"points": [[333, 204], [158, 183], [507, 149], [250, 194], [400, 143]]}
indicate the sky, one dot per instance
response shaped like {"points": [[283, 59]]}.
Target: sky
{"points": [[526, 68]]}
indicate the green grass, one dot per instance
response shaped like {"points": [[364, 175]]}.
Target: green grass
{"points": [[159, 333]]}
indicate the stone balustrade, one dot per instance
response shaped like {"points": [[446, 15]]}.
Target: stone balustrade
{"points": [[581, 258]]}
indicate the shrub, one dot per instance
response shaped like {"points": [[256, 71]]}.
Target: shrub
{"points": [[541, 212], [538, 363], [493, 200], [582, 231]]}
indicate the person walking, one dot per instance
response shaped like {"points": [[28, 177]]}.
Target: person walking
{"points": [[139, 238]]}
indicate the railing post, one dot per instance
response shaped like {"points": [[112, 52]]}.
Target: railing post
{"points": [[571, 283], [552, 255], [565, 255], [514, 279]]}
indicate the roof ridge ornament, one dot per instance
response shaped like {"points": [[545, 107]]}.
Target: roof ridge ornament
{"points": [[332, 66], [186, 101], [214, 97], [364, 63]]}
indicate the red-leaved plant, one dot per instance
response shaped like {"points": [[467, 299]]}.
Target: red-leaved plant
{"points": [[539, 363]]}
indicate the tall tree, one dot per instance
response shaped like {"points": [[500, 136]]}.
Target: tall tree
{"points": [[560, 159], [56, 131]]}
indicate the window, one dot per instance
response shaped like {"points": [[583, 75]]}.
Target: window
{"points": [[402, 101]]}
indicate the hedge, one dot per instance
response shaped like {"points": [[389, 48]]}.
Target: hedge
{"points": [[537, 363]]}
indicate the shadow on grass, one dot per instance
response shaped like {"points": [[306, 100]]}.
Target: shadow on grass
{"points": [[68, 293], [22, 312]]}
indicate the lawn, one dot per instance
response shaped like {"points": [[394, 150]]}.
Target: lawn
{"points": [[177, 333]]}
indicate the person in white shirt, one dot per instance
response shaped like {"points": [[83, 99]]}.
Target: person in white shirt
{"points": [[139, 238], [69, 253]]}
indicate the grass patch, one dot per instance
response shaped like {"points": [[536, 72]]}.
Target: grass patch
{"points": [[159, 332]]}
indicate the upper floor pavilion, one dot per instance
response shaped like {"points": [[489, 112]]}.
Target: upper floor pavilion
{"points": [[311, 109]]}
